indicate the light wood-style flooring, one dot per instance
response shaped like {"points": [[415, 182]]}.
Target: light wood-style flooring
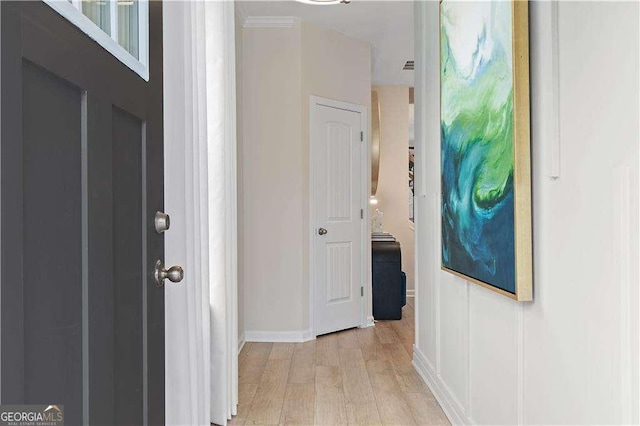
{"points": [[357, 376]]}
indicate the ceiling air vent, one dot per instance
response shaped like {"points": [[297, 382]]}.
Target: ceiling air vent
{"points": [[408, 66]]}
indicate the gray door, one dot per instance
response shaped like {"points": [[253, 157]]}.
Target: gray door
{"points": [[82, 321]]}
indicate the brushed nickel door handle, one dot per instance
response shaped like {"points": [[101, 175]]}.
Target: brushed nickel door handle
{"points": [[175, 274]]}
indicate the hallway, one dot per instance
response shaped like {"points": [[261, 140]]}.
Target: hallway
{"points": [[358, 376]]}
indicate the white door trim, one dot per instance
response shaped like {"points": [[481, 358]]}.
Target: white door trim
{"points": [[365, 183], [231, 198], [200, 170]]}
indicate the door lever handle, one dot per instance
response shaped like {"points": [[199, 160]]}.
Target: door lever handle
{"points": [[322, 231], [175, 274]]}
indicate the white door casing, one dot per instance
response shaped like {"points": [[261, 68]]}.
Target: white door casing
{"points": [[337, 206], [200, 195]]}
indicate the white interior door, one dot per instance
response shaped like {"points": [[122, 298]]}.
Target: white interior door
{"points": [[337, 215]]}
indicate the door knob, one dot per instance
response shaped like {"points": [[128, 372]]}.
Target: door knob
{"points": [[161, 222], [322, 231], [175, 274]]}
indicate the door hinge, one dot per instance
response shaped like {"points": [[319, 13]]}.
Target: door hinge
{"points": [[361, 136], [361, 291], [361, 213]]}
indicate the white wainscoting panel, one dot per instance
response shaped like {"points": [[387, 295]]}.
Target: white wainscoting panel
{"points": [[453, 337], [493, 357]]}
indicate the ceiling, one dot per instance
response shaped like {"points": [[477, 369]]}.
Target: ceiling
{"points": [[387, 25]]}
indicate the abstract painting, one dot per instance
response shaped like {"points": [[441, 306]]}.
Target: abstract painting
{"points": [[485, 145]]}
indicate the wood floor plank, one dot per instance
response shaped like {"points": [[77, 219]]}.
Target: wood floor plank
{"points": [[387, 335], [327, 351], [348, 339], [373, 352], [330, 413], [299, 404], [260, 347], [328, 384], [393, 408], [355, 380], [246, 392], [306, 347], [426, 410], [403, 331], [382, 376], [251, 365], [274, 381], [367, 336], [266, 407], [264, 414], [396, 354], [409, 380], [281, 351], [363, 414], [303, 365]]}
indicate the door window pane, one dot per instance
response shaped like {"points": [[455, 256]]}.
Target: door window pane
{"points": [[120, 26], [128, 26], [98, 12]]}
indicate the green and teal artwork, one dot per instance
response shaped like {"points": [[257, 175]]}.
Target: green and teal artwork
{"points": [[485, 147]]}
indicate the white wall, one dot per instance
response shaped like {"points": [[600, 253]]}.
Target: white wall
{"points": [[282, 67], [272, 189], [393, 180], [570, 356]]}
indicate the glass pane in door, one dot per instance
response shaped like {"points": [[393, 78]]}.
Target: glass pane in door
{"points": [[128, 26], [98, 12]]}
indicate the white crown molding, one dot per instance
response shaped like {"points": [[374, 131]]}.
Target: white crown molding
{"points": [[279, 336], [270, 22]]}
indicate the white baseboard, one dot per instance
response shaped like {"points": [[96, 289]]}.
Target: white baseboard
{"points": [[279, 336], [439, 389], [241, 341], [411, 293]]}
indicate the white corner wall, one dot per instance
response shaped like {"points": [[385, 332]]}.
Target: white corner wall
{"points": [[393, 179], [284, 62], [571, 356]]}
